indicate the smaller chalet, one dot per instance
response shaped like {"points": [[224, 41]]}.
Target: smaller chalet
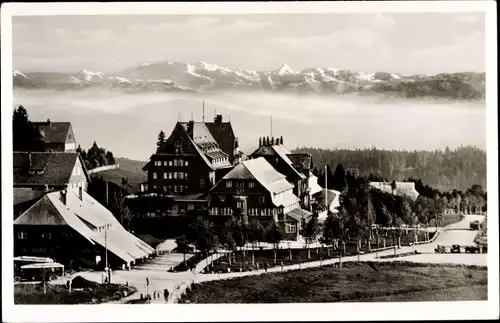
{"points": [[326, 202], [296, 167], [57, 136], [254, 190], [74, 229]]}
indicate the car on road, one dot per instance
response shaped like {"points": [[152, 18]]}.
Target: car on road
{"points": [[471, 249], [455, 248], [474, 225]]}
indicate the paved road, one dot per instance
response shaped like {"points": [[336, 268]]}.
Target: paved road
{"points": [[160, 279]]}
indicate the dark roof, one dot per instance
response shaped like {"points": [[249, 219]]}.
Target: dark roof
{"points": [[47, 168], [301, 161], [53, 132], [224, 135], [22, 195], [319, 197], [41, 213], [299, 214]]}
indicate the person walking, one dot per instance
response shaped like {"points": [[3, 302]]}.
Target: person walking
{"points": [[165, 295], [282, 266], [265, 266]]}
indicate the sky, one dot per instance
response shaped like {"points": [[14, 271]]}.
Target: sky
{"points": [[406, 43]]}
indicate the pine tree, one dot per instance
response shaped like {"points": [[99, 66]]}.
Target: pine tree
{"points": [[339, 182], [26, 137], [161, 140]]}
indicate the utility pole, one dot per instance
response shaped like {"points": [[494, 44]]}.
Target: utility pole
{"points": [[106, 252], [203, 114]]}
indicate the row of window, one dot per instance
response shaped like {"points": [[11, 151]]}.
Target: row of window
{"points": [[174, 175], [220, 211], [240, 184], [175, 162], [262, 212], [22, 235]]}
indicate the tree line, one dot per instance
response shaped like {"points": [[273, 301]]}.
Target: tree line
{"points": [[445, 170], [25, 135], [96, 156]]}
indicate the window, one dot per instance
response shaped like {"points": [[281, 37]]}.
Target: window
{"points": [[222, 198], [229, 184], [186, 163], [165, 163], [170, 163], [154, 187], [175, 175], [164, 175], [46, 235], [202, 182], [181, 188], [154, 175], [263, 212], [240, 185], [262, 199], [190, 206], [181, 175], [239, 205], [175, 188], [290, 227], [169, 175], [22, 235], [185, 175], [251, 185], [185, 188]]}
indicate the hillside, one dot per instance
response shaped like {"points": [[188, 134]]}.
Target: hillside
{"points": [[442, 169], [130, 169]]}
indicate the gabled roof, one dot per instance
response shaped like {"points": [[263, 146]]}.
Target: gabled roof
{"points": [[299, 214], [53, 132], [22, 194], [260, 170], [47, 168], [223, 133], [281, 152], [83, 217], [301, 161], [332, 199]]}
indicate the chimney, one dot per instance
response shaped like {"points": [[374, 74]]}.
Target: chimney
{"points": [[281, 140], [190, 126], [218, 118], [260, 142], [63, 196], [272, 141], [277, 141], [80, 193], [267, 141]]}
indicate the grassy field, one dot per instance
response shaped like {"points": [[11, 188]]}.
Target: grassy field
{"points": [[391, 281], [88, 293], [130, 169], [298, 255]]}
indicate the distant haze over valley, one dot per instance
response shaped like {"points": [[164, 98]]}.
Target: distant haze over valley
{"points": [[128, 123]]}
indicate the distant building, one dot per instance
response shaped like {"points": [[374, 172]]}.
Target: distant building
{"points": [[254, 190], [57, 136], [401, 189], [296, 167], [326, 202], [194, 157]]}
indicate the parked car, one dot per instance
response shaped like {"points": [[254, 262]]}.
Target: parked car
{"points": [[455, 248], [440, 249], [471, 249], [474, 225]]}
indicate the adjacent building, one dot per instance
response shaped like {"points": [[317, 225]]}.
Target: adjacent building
{"points": [[57, 136], [296, 167], [55, 217], [255, 190]]}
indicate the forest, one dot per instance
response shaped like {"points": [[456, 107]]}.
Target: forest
{"points": [[445, 170], [96, 156]]}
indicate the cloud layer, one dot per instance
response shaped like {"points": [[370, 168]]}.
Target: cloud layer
{"points": [[404, 43]]}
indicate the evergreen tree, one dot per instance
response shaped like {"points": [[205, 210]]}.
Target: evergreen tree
{"points": [[339, 182], [161, 140], [26, 137], [110, 158]]}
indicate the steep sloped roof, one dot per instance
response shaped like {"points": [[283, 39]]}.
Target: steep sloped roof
{"points": [[301, 161], [281, 152], [53, 132], [299, 214], [22, 194], [47, 168], [41, 213], [223, 133]]}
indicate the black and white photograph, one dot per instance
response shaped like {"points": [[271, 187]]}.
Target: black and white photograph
{"points": [[335, 155]]}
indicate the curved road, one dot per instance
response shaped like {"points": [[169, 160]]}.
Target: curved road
{"points": [[457, 233]]}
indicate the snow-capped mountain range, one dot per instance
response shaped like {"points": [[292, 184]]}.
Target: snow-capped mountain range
{"points": [[203, 76]]}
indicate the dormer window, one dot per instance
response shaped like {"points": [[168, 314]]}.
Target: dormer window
{"points": [[229, 184]]}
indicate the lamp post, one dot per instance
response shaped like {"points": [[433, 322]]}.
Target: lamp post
{"points": [[108, 273], [289, 250]]}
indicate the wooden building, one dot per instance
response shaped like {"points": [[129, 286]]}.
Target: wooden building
{"points": [[296, 167], [57, 136], [254, 190], [194, 157]]}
